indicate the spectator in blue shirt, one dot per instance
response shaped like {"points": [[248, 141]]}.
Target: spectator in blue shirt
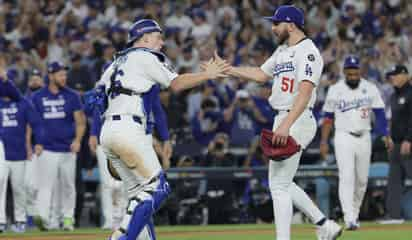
{"points": [[262, 104], [207, 122], [241, 118]]}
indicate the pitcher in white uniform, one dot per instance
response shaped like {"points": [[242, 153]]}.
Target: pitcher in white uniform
{"points": [[295, 68], [350, 103], [126, 136]]}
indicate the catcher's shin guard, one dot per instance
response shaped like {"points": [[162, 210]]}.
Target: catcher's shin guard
{"points": [[144, 209]]}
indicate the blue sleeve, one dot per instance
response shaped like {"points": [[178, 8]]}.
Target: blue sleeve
{"points": [[7, 89], [330, 115], [160, 119], [33, 117], [381, 125], [96, 124]]}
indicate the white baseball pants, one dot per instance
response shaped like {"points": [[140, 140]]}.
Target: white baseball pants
{"points": [[129, 138], [284, 191], [30, 182], [112, 192], [16, 171], [353, 156], [56, 168]]}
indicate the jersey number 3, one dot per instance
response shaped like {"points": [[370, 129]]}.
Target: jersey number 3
{"points": [[287, 84]]}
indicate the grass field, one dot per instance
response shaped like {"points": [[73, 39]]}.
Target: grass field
{"points": [[228, 232]]}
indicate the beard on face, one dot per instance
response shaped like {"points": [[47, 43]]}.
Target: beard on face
{"points": [[353, 84], [283, 36]]}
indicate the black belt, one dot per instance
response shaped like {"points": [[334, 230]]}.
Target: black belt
{"points": [[121, 90], [358, 135], [119, 117], [288, 110]]}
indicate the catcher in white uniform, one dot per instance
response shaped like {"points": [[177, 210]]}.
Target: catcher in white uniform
{"points": [[350, 103], [295, 68], [126, 137]]}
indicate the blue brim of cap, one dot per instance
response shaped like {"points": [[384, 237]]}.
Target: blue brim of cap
{"points": [[351, 66]]}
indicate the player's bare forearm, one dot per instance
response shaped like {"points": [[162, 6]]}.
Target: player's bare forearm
{"points": [[80, 121], [301, 102], [326, 130], [28, 136], [228, 113], [258, 115], [188, 80], [250, 73], [211, 70]]}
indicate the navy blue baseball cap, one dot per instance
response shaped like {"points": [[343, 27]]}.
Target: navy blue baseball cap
{"points": [[55, 66], [351, 62], [141, 27], [397, 69], [288, 13]]}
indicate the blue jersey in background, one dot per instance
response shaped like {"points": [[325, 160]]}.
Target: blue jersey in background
{"points": [[15, 117], [57, 114]]}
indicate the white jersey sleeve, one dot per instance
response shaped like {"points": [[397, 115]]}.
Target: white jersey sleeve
{"points": [[309, 65], [330, 101], [157, 71]]}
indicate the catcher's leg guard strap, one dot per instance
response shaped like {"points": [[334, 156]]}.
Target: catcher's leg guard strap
{"points": [[162, 191]]}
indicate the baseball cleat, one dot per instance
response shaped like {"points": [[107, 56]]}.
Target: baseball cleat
{"points": [[116, 235], [330, 230], [2, 227], [40, 223], [19, 227], [68, 224], [352, 226]]}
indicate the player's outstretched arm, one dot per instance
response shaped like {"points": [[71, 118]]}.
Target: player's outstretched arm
{"points": [[211, 70], [250, 73]]}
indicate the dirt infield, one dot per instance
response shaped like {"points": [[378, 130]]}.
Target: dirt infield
{"points": [[192, 233]]}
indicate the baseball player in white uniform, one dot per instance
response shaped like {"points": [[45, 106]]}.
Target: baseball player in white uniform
{"points": [[125, 137], [350, 103], [295, 68]]}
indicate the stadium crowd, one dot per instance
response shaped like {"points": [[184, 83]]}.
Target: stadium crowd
{"points": [[216, 124]]}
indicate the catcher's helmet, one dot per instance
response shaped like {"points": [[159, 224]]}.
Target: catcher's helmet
{"points": [[288, 13], [141, 27]]}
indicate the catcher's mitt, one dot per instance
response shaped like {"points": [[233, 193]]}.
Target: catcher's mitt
{"points": [[275, 152], [112, 170]]}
